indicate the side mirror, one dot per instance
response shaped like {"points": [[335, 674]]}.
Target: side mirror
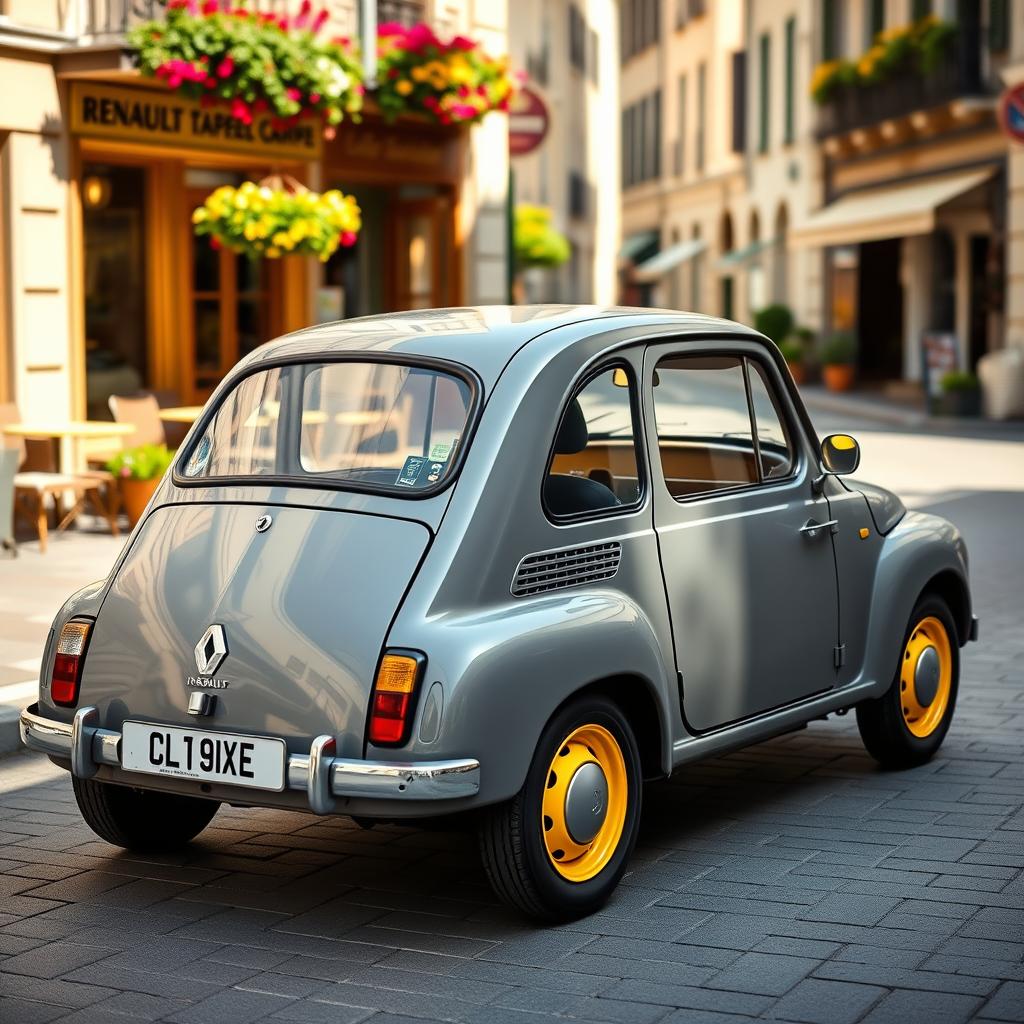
{"points": [[840, 454]]}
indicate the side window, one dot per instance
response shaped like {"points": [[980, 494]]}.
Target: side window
{"points": [[594, 465], [706, 437], [772, 440]]}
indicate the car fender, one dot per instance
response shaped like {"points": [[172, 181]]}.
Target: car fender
{"points": [[920, 548], [504, 671]]}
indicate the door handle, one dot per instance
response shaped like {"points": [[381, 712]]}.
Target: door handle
{"points": [[812, 528]]}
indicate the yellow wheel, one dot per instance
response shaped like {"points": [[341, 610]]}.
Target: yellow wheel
{"points": [[926, 676], [584, 805], [558, 848], [906, 725]]}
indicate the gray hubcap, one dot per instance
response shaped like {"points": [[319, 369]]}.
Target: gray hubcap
{"points": [[586, 802], [926, 676]]}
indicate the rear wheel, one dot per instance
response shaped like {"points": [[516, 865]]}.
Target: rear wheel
{"points": [[906, 725], [141, 819], [558, 848]]}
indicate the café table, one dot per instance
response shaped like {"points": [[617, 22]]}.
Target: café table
{"points": [[186, 414]]}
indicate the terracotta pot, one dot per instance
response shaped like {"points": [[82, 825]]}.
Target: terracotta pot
{"points": [[838, 376], [136, 495], [798, 372]]}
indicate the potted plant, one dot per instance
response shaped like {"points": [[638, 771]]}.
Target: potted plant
{"points": [[837, 361], [278, 217], [961, 394], [138, 472], [774, 321], [792, 350]]}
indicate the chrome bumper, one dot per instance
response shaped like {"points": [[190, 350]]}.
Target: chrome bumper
{"points": [[319, 773]]}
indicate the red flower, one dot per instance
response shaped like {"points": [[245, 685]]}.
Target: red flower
{"points": [[348, 238], [240, 110], [394, 73], [462, 43], [215, 243], [226, 66], [314, 98], [211, 82], [293, 94], [305, 10], [260, 105], [320, 20], [210, 6]]}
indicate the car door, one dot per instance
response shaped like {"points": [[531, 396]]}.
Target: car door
{"points": [[745, 543]]}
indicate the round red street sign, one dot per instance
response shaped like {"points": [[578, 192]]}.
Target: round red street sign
{"points": [[1011, 112], [527, 122]]}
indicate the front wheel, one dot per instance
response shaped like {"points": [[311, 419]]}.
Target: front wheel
{"points": [[140, 819], [907, 724], [558, 848]]}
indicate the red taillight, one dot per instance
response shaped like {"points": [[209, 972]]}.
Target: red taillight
{"points": [[67, 662], [391, 703]]}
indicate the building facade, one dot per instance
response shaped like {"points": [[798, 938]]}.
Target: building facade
{"points": [[892, 211], [569, 49], [104, 288]]}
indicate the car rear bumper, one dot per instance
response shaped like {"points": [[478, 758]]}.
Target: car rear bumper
{"points": [[321, 775]]}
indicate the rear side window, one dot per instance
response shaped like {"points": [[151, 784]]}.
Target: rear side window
{"points": [[372, 424], [718, 425], [594, 466]]}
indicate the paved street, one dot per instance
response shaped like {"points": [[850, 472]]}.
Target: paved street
{"points": [[792, 881]]}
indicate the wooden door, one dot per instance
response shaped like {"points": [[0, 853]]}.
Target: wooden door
{"points": [[422, 277]]}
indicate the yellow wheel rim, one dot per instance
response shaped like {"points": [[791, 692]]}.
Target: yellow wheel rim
{"points": [[926, 677], [583, 811]]}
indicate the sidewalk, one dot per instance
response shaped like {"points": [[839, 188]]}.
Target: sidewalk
{"points": [[32, 589]]}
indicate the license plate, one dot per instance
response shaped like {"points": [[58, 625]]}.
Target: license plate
{"points": [[205, 756]]}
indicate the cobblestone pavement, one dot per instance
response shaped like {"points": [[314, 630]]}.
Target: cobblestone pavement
{"points": [[792, 881]]}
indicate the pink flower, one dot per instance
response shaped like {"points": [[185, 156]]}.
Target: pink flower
{"points": [[320, 20], [226, 66], [462, 43], [304, 12], [348, 238], [240, 110], [314, 98], [210, 6], [463, 91], [293, 94], [463, 111], [126, 472]]}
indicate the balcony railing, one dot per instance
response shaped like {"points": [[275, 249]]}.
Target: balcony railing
{"points": [[108, 20], [860, 106]]}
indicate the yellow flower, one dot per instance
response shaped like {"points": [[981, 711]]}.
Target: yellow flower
{"points": [[199, 215], [403, 87]]}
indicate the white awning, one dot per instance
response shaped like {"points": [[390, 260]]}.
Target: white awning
{"points": [[892, 212], [738, 257], [658, 266], [635, 244]]}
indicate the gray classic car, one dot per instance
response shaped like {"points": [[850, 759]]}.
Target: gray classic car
{"points": [[507, 561]]}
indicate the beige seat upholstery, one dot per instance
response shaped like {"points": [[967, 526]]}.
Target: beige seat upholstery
{"points": [[34, 487], [143, 412]]}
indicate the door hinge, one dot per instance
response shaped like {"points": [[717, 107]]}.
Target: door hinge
{"points": [[839, 655]]}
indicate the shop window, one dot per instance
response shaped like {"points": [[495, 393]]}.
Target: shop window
{"points": [[114, 225]]}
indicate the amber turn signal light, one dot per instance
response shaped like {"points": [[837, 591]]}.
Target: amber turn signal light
{"points": [[67, 662], [391, 707]]}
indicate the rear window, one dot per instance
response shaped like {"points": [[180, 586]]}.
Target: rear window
{"points": [[371, 424]]}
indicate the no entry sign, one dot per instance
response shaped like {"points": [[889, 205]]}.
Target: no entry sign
{"points": [[527, 122], [1012, 112]]}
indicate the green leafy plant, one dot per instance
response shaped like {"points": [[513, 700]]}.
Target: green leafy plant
{"points": [[958, 381], [451, 81], [147, 462], [775, 321], [253, 62], [537, 242], [839, 350], [792, 350]]}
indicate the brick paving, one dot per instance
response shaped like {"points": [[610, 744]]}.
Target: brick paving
{"points": [[791, 881]]}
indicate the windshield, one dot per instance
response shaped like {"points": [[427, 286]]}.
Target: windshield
{"points": [[375, 424]]}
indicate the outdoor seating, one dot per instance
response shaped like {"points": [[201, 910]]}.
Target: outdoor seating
{"points": [[143, 412]]}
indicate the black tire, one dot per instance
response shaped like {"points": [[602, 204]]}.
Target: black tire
{"points": [[882, 724], [511, 834], [141, 820]]}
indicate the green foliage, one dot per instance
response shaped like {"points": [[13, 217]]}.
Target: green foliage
{"points": [[958, 380], [792, 349], [537, 242], [839, 350], [147, 462], [775, 321], [253, 62]]}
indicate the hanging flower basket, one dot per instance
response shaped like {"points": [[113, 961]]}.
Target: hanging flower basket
{"points": [[252, 62], [278, 217], [537, 242], [452, 82]]}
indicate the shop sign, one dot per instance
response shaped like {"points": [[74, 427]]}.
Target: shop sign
{"points": [[940, 353], [1011, 112], [157, 117], [528, 122]]}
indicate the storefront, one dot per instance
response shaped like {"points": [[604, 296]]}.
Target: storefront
{"points": [[161, 309]]}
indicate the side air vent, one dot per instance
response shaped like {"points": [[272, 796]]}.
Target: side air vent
{"points": [[555, 570]]}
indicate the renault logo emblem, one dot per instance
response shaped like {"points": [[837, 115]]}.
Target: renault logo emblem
{"points": [[263, 523], [211, 650]]}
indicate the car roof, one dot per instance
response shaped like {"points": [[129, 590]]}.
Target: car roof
{"points": [[484, 338]]}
